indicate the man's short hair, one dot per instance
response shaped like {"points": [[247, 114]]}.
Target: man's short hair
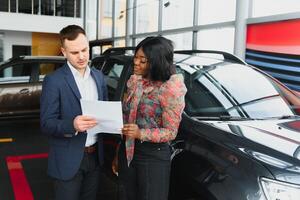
{"points": [[70, 32]]}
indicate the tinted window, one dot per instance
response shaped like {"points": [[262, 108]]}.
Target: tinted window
{"points": [[47, 7], [237, 90], [4, 6], [25, 6], [113, 73], [15, 73], [47, 68]]}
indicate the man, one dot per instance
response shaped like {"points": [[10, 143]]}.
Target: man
{"points": [[74, 156]]}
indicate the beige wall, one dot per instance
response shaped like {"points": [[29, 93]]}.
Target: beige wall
{"points": [[45, 44]]}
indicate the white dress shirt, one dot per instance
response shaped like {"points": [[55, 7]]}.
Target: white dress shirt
{"points": [[88, 91]]}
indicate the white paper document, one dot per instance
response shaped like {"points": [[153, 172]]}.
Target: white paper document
{"points": [[107, 113]]}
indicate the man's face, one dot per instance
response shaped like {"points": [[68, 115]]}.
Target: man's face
{"points": [[77, 52]]}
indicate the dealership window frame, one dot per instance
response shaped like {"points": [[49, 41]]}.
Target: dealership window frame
{"points": [[62, 8], [133, 33]]}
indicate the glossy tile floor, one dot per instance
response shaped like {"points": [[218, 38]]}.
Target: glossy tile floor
{"points": [[23, 163]]}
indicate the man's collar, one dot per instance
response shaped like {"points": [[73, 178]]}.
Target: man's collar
{"points": [[75, 72]]}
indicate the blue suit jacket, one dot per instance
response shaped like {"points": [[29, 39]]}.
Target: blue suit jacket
{"points": [[60, 104]]}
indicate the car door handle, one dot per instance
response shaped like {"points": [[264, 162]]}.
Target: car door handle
{"points": [[24, 91]]}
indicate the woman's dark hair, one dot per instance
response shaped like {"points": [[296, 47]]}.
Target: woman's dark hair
{"points": [[159, 52]]}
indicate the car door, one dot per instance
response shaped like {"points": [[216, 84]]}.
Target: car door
{"points": [[42, 68], [116, 74], [15, 89]]}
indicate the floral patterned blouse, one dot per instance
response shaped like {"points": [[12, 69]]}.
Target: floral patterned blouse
{"points": [[156, 108]]}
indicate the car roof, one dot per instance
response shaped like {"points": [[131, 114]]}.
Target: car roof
{"points": [[214, 54], [182, 57], [42, 57], [120, 51], [36, 58]]}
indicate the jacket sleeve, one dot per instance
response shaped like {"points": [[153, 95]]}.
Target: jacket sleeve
{"points": [[51, 124]]}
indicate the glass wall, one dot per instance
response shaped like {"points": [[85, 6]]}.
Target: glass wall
{"points": [[106, 10], [191, 24], [270, 7], [179, 20], [146, 15], [13, 5], [119, 43], [181, 41], [183, 16], [36, 7], [1, 47], [47, 7], [215, 11], [4, 6], [25, 6], [216, 39], [91, 19], [120, 18], [66, 8]]}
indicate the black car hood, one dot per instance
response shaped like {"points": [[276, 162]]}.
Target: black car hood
{"points": [[277, 142]]}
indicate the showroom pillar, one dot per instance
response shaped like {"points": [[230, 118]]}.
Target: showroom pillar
{"points": [[128, 23], [90, 18], [84, 13], [242, 8]]}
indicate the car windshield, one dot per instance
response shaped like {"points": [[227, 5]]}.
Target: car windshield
{"points": [[237, 91]]}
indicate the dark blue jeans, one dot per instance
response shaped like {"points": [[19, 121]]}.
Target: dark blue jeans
{"points": [[147, 177]]}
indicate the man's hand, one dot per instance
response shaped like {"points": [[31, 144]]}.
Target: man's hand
{"points": [[82, 123]]}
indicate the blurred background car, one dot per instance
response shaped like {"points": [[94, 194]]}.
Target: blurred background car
{"points": [[240, 132], [21, 83]]}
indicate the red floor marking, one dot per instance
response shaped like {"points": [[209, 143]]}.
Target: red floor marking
{"points": [[18, 178]]}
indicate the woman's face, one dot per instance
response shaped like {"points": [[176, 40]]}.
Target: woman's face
{"points": [[141, 65]]}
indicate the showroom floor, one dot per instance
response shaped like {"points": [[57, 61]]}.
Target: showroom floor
{"points": [[23, 155]]}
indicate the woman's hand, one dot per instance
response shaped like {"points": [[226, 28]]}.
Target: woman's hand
{"points": [[115, 165], [131, 131]]}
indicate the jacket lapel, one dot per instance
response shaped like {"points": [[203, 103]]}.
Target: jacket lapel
{"points": [[71, 81]]}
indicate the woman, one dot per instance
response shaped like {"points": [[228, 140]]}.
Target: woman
{"points": [[152, 113]]}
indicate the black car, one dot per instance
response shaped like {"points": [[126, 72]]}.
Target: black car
{"points": [[239, 138], [21, 83]]}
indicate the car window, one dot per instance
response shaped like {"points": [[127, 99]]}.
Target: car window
{"points": [[113, 73], [19, 73], [47, 68], [99, 63], [236, 90]]}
